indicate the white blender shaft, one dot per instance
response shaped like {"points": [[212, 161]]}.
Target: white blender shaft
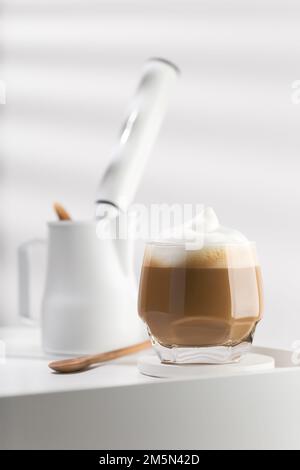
{"points": [[144, 119]]}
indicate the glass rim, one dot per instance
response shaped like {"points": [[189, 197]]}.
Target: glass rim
{"points": [[180, 243]]}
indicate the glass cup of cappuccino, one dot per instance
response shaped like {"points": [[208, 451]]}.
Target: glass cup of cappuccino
{"points": [[200, 305]]}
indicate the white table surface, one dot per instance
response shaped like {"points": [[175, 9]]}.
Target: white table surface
{"points": [[24, 370], [113, 406]]}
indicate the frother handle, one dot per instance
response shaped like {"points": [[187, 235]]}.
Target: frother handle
{"points": [[29, 308], [138, 134]]}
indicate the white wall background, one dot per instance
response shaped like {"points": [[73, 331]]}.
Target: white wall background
{"points": [[231, 139]]}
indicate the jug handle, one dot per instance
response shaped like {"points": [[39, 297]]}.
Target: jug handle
{"points": [[26, 312]]}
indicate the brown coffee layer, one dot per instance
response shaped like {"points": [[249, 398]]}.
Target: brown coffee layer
{"points": [[201, 304]]}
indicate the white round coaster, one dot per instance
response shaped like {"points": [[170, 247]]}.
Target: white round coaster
{"points": [[151, 365]]}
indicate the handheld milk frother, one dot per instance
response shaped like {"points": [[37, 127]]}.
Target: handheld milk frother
{"points": [[138, 134]]}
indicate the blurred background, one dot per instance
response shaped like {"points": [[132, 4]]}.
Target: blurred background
{"points": [[230, 140]]}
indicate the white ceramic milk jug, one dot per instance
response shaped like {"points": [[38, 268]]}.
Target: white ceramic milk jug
{"points": [[90, 297], [89, 301]]}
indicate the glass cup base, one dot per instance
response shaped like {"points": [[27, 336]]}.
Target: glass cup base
{"points": [[200, 355]]}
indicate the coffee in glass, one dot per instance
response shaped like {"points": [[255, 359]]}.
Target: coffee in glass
{"points": [[201, 305]]}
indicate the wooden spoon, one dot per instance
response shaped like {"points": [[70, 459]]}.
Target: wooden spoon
{"points": [[61, 212], [80, 363]]}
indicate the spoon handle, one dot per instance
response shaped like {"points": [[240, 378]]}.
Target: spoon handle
{"points": [[115, 354]]}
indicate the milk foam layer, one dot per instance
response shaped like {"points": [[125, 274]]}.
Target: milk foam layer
{"points": [[203, 230], [235, 257], [202, 243]]}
